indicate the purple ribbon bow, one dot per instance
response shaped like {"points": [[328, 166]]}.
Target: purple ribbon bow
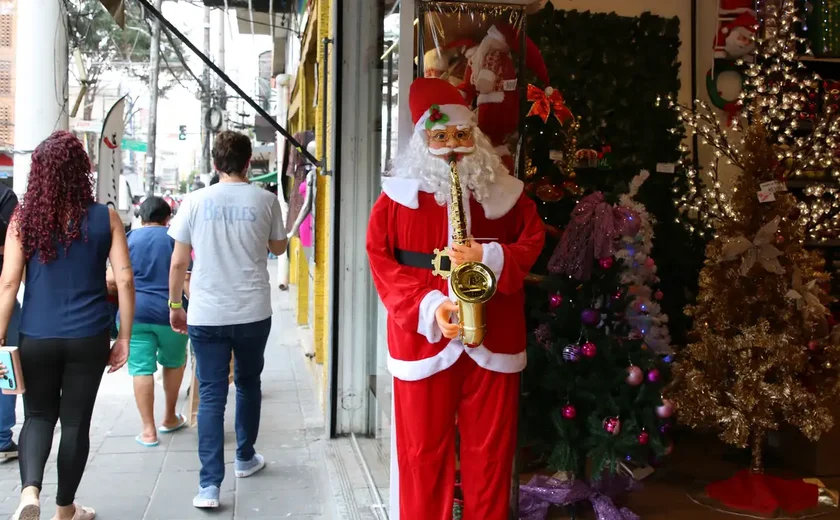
{"points": [[543, 492], [591, 235]]}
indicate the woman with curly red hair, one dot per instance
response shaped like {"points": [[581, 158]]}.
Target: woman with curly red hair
{"points": [[61, 240]]}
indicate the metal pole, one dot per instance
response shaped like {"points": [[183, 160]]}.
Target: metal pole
{"points": [[523, 95], [421, 39], [390, 98], [324, 114], [154, 70], [206, 166], [221, 59], [236, 88]]}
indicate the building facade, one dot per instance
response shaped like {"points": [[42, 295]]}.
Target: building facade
{"points": [[7, 87]]}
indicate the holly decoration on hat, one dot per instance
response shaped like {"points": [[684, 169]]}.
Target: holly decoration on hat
{"points": [[436, 117]]}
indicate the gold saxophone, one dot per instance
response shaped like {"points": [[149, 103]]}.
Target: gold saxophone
{"points": [[473, 283]]}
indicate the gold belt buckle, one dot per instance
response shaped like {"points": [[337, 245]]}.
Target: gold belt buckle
{"points": [[436, 263]]}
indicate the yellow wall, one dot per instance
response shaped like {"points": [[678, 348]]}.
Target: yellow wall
{"points": [[323, 240]]}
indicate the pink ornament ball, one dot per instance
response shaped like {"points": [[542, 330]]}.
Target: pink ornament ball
{"points": [[555, 301], [589, 349], [612, 425], [606, 262], [590, 316], [658, 295], [649, 263], [617, 295], [813, 345], [653, 376], [666, 410], [635, 376], [644, 438], [569, 412]]}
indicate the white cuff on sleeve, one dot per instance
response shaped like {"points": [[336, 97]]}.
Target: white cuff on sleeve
{"points": [[427, 323], [494, 258]]}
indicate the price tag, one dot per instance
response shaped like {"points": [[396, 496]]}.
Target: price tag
{"points": [[666, 168], [509, 84], [555, 155], [773, 186], [766, 196]]}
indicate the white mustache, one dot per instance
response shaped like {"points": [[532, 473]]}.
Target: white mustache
{"points": [[447, 151]]}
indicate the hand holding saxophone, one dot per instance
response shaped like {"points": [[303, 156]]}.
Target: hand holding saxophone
{"points": [[443, 315], [462, 254]]}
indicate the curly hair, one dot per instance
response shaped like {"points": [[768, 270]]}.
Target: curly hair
{"points": [[58, 194]]}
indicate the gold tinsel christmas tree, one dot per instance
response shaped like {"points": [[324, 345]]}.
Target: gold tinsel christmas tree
{"points": [[762, 353]]}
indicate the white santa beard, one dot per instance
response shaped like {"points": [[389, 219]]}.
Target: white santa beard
{"points": [[477, 170]]}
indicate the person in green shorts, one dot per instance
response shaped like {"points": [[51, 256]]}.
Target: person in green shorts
{"points": [[153, 341]]}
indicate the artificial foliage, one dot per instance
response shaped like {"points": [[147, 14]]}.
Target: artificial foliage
{"points": [[592, 395], [619, 86], [762, 350]]}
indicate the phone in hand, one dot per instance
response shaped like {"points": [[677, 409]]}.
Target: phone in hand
{"points": [[12, 381]]}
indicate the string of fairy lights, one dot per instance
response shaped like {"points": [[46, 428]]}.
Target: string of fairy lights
{"points": [[783, 95]]}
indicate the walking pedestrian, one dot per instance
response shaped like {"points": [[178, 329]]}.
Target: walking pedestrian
{"points": [[63, 239], [228, 225], [152, 339], [8, 417]]}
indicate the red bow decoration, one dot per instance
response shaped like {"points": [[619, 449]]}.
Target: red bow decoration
{"points": [[546, 102]]}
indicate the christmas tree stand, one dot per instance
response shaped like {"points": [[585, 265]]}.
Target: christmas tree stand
{"points": [[755, 494]]}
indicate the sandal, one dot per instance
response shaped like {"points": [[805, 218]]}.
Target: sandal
{"points": [[182, 422], [28, 511], [84, 513]]}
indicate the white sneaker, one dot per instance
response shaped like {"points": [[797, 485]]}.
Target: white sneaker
{"points": [[244, 469]]}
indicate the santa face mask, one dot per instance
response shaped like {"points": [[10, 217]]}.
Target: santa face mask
{"points": [[451, 139]]}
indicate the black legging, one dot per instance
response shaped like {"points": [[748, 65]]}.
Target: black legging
{"points": [[62, 378]]}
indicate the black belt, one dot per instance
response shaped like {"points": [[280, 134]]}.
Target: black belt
{"points": [[421, 260]]}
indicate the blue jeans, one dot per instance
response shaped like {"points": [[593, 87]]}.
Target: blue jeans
{"points": [[8, 402], [212, 347]]}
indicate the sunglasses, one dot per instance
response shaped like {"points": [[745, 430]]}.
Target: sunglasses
{"points": [[444, 136]]}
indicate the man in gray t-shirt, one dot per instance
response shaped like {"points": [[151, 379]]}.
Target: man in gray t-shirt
{"points": [[230, 226]]}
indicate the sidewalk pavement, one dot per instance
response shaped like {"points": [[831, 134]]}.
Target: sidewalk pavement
{"points": [[126, 481]]}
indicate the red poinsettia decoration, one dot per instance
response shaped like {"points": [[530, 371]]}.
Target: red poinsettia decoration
{"points": [[436, 117], [547, 102]]}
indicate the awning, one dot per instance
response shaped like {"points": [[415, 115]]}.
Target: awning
{"points": [[267, 178]]}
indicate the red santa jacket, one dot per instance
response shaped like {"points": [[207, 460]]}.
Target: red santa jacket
{"points": [[408, 219]]}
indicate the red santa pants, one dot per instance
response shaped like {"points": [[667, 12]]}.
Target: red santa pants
{"points": [[486, 405]]}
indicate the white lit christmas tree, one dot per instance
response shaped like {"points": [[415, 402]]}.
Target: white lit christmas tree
{"points": [[643, 313]]}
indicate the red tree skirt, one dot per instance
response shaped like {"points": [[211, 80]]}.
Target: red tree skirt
{"points": [[759, 493]]}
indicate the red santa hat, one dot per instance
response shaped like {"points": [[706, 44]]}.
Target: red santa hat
{"points": [[745, 20], [436, 103], [533, 57]]}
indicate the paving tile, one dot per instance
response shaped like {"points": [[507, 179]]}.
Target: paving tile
{"points": [[279, 503], [172, 499], [128, 444], [285, 477], [126, 481]]}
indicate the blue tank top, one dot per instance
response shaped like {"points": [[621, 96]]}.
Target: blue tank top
{"points": [[68, 298]]}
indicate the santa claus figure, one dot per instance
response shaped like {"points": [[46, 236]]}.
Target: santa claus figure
{"points": [[736, 38], [436, 377], [491, 79], [447, 62]]}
